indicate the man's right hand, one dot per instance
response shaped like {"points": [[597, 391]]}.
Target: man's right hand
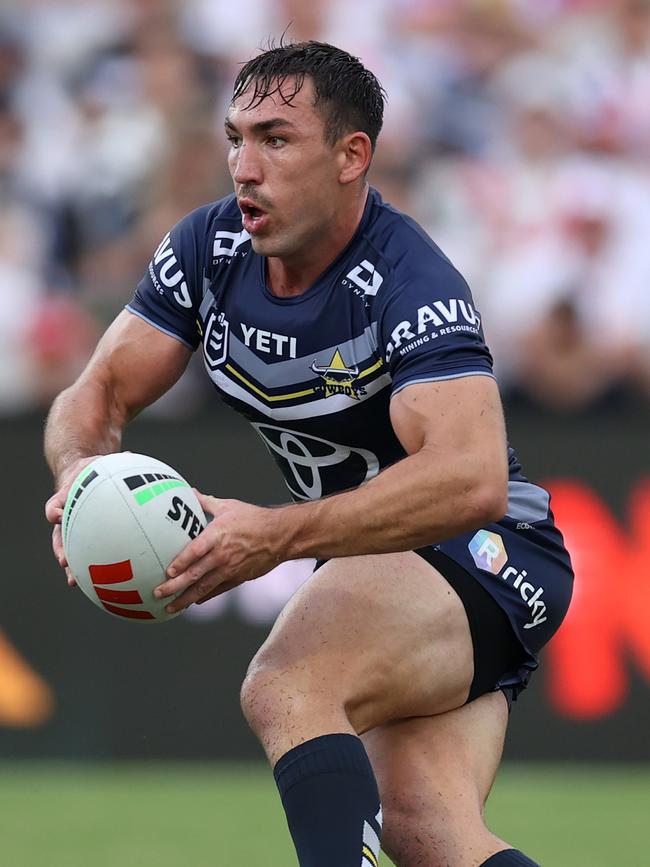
{"points": [[54, 511]]}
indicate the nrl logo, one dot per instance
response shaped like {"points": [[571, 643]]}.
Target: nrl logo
{"points": [[338, 378]]}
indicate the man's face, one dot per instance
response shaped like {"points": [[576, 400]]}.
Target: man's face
{"points": [[285, 173]]}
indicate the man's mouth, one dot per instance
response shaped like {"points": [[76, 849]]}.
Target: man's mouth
{"points": [[254, 217]]}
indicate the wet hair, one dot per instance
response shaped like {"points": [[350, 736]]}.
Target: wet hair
{"points": [[348, 95]]}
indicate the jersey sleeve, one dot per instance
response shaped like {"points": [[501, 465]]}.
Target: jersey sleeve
{"points": [[170, 292], [429, 328]]}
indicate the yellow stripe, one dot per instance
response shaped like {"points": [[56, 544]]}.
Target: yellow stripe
{"points": [[269, 397], [371, 369], [294, 394], [368, 853]]}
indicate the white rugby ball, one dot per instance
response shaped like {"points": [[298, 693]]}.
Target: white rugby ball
{"points": [[126, 518]]}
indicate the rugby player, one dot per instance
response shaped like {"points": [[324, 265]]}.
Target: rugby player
{"points": [[350, 342]]}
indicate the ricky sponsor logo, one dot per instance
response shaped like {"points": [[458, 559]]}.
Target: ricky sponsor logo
{"points": [[164, 270], [432, 321], [489, 553], [180, 511], [269, 341], [338, 378]]}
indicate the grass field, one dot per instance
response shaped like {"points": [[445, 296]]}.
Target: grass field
{"points": [[213, 815]]}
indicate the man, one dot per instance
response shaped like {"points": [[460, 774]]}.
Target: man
{"points": [[336, 326]]}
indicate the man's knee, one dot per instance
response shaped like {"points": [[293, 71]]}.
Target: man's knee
{"points": [[419, 831], [275, 694], [260, 694]]}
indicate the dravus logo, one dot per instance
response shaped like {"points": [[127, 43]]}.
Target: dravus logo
{"points": [[165, 268], [432, 321], [338, 378]]}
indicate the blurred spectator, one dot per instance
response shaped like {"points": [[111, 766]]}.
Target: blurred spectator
{"points": [[517, 131]]}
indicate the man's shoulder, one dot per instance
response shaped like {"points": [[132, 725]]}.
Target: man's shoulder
{"points": [[403, 250]]}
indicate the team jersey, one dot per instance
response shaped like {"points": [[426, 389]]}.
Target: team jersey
{"points": [[314, 374]]}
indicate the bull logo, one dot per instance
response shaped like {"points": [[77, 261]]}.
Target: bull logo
{"points": [[338, 378]]}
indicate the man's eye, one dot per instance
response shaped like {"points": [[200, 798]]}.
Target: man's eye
{"points": [[234, 140], [275, 141]]}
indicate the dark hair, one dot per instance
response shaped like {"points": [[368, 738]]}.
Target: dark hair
{"points": [[346, 93]]}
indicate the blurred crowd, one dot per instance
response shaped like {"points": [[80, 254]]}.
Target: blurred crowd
{"points": [[517, 132]]}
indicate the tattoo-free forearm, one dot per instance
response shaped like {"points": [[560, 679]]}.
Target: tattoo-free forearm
{"points": [[84, 420], [415, 502]]}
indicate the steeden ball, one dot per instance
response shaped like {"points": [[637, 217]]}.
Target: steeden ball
{"points": [[126, 518]]}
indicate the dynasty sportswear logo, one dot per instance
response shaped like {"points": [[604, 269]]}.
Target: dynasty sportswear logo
{"points": [[366, 277]]}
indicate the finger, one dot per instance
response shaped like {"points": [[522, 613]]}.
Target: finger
{"points": [[70, 577], [193, 552], [54, 508], [203, 588], [57, 546], [198, 570]]}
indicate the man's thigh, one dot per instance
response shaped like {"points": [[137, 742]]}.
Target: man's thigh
{"points": [[385, 635]]}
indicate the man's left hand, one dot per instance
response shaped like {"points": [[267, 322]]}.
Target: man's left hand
{"points": [[241, 543]]}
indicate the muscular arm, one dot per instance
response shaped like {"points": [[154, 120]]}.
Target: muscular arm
{"points": [[133, 365], [454, 478]]}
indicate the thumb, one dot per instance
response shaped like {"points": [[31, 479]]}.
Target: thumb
{"points": [[210, 505]]}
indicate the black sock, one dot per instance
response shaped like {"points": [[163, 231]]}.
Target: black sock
{"points": [[330, 796], [509, 858]]}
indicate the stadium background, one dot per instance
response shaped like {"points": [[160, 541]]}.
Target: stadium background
{"points": [[518, 134]]}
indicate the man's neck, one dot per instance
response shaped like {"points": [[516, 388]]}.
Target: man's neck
{"points": [[292, 276]]}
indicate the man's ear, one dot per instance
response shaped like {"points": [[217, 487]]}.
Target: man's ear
{"points": [[355, 156]]}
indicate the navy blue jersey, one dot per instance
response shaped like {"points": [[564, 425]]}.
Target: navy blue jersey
{"points": [[315, 373]]}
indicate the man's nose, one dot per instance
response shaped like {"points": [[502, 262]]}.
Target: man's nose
{"points": [[247, 168]]}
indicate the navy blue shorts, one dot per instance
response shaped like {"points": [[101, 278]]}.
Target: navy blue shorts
{"points": [[515, 581]]}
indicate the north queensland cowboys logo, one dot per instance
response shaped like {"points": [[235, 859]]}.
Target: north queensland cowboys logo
{"points": [[215, 342], [338, 378], [306, 459]]}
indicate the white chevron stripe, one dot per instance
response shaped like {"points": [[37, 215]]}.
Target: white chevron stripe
{"points": [[323, 406]]}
